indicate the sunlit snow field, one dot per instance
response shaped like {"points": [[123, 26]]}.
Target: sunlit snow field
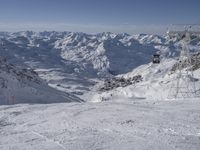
{"points": [[131, 124]]}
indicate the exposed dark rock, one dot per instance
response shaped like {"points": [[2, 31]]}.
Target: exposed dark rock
{"points": [[195, 63], [113, 83], [21, 74]]}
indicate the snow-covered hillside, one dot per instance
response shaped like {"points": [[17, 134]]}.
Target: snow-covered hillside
{"points": [[24, 86], [156, 83]]}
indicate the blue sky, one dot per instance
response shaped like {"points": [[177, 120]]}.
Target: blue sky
{"points": [[132, 16]]}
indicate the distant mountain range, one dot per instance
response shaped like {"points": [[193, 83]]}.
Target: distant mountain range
{"points": [[74, 62]]}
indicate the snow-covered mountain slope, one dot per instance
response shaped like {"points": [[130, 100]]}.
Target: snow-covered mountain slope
{"points": [[24, 86], [134, 112], [71, 61], [74, 62], [157, 82]]}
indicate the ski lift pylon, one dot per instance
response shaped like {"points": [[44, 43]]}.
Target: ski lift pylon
{"points": [[183, 85]]}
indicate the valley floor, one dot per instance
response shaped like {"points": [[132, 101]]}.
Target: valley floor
{"points": [[128, 125]]}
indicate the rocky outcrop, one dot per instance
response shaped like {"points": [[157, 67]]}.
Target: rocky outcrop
{"points": [[113, 83]]}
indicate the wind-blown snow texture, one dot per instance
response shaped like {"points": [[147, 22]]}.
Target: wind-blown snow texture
{"points": [[130, 125]]}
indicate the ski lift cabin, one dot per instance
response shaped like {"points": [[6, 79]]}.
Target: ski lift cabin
{"points": [[156, 59]]}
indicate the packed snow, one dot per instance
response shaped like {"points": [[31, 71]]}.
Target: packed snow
{"points": [[132, 124]]}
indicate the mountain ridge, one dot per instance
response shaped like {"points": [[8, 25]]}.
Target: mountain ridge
{"points": [[73, 61]]}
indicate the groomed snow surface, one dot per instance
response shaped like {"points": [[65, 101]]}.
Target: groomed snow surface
{"points": [[132, 125]]}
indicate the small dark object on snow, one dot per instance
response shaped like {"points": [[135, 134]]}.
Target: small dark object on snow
{"points": [[156, 58]]}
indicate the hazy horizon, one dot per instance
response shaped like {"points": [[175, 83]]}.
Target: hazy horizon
{"points": [[92, 16]]}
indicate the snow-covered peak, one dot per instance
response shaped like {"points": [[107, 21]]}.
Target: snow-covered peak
{"points": [[150, 39]]}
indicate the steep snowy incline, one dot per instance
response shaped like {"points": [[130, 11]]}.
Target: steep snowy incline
{"points": [[24, 86]]}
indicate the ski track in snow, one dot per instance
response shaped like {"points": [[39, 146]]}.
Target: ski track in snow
{"points": [[127, 125], [47, 139]]}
